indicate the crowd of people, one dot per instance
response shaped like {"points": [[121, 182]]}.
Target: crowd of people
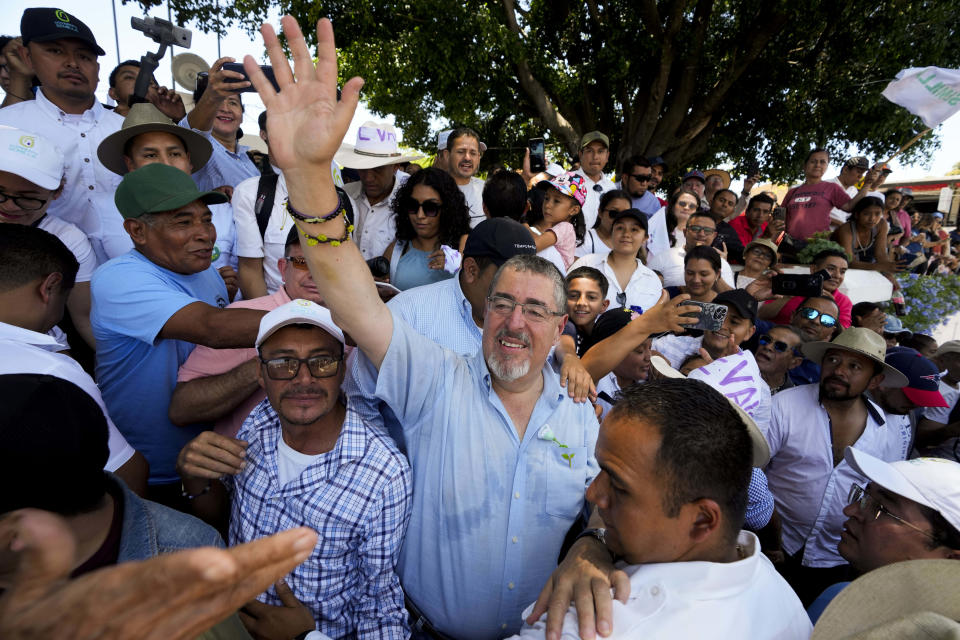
{"points": [[411, 402]]}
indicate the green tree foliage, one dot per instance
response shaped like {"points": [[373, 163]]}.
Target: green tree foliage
{"points": [[696, 81]]}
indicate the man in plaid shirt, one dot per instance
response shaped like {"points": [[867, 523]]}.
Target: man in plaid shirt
{"points": [[303, 458]]}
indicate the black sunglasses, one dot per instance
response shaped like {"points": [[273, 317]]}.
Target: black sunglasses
{"points": [[431, 208], [778, 345], [640, 178]]}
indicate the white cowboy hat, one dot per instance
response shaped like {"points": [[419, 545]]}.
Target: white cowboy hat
{"points": [[376, 146]]}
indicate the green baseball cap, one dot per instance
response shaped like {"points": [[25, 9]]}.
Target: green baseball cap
{"points": [[157, 188]]}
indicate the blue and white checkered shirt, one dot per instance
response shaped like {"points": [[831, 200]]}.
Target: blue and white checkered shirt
{"points": [[357, 497]]}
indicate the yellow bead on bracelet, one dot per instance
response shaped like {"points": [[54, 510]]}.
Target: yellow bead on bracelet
{"points": [[313, 241]]}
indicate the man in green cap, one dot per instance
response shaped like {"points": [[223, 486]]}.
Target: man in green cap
{"points": [[594, 154], [151, 306], [146, 137]]}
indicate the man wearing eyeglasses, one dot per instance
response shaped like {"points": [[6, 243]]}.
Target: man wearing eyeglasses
{"points": [[302, 458], [810, 427], [777, 352], [594, 155], [907, 510], [816, 320], [701, 230], [220, 386]]}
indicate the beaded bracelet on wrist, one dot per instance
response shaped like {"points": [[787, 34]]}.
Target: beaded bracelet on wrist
{"points": [[322, 239], [296, 215], [186, 494]]}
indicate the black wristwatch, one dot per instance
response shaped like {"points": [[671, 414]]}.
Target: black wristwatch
{"points": [[599, 534]]}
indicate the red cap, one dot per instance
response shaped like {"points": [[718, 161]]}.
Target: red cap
{"points": [[923, 398]]}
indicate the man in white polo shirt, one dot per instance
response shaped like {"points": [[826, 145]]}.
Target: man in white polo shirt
{"points": [[63, 54], [377, 158], [594, 154]]}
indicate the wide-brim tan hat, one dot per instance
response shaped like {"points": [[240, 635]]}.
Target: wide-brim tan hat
{"points": [[863, 341], [890, 594], [766, 244], [347, 156], [761, 450], [725, 175], [145, 118]]}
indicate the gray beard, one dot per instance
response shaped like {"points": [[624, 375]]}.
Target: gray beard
{"points": [[505, 372]]}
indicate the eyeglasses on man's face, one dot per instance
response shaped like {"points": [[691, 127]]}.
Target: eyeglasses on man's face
{"points": [[533, 311], [810, 313], [870, 505], [698, 230], [778, 345], [288, 368]]}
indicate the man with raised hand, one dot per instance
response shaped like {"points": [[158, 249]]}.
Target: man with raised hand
{"points": [[500, 455]]}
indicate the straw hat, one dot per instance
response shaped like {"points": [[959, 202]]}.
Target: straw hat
{"points": [[724, 175], [877, 604], [376, 147], [766, 244], [718, 370], [145, 118], [864, 342]]}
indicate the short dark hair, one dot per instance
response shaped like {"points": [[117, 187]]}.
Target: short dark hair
{"points": [[591, 274], [459, 132], [262, 120], [808, 298], [113, 74], [761, 198], [700, 213], [730, 191], [862, 309], [505, 195], [944, 533], [54, 445], [635, 161], [293, 238], [609, 196], [704, 252], [454, 215], [705, 449], [821, 257], [30, 253], [817, 150], [918, 341]]}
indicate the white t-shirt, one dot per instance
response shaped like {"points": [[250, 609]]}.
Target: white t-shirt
{"points": [[25, 351], [745, 599], [670, 265], [291, 463], [643, 289], [269, 246], [592, 243], [376, 226], [76, 241], [473, 194]]}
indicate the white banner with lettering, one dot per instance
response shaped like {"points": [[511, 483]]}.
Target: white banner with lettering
{"points": [[931, 93]]}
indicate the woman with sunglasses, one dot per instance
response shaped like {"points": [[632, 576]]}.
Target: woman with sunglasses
{"points": [[682, 204], [758, 258], [599, 239], [431, 212]]}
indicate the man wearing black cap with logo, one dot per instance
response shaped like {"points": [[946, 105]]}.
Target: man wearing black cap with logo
{"points": [[63, 53], [152, 304]]}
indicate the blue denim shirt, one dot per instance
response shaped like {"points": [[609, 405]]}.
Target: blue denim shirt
{"points": [[150, 529]]}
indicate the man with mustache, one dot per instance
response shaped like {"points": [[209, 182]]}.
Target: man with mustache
{"points": [[152, 305], [810, 427], [461, 159], [63, 53], [304, 458]]}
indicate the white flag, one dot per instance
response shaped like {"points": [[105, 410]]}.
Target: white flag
{"points": [[931, 93]]}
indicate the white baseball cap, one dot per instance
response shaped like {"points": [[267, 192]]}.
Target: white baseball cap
{"points": [[31, 157], [932, 482], [298, 311]]}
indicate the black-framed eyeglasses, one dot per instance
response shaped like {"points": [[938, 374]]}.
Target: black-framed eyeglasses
{"points": [[640, 178], [288, 368], [697, 229], [610, 211], [431, 208], [778, 345], [534, 311], [598, 188], [868, 504], [810, 313], [25, 204]]}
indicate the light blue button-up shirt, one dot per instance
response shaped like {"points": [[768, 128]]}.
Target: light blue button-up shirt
{"points": [[490, 510], [224, 167]]}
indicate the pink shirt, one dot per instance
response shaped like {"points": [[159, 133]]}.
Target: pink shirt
{"points": [[905, 224], [844, 304], [206, 361], [809, 205], [566, 241]]}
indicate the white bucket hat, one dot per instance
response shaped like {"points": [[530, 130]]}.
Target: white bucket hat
{"points": [[376, 147]]}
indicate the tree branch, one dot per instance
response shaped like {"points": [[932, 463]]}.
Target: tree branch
{"points": [[552, 118], [657, 91]]}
